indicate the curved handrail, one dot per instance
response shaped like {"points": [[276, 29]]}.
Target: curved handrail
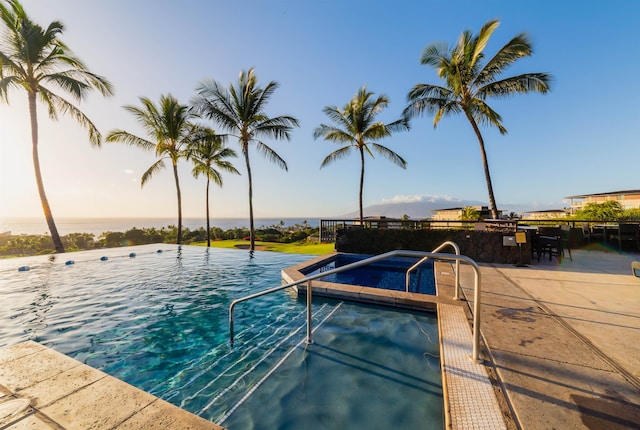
{"points": [[401, 253], [439, 248]]}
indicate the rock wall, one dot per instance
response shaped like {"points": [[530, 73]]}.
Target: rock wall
{"points": [[481, 246]]}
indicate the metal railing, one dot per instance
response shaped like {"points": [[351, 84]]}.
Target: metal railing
{"points": [[457, 270], [397, 253], [329, 227]]}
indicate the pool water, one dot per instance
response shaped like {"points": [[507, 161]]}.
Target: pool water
{"points": [[159, 321], [389, 274]]}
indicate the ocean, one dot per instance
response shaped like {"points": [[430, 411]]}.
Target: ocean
{"points": [[98, 226]]}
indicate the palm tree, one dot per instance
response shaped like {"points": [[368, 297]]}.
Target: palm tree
{"points": [[32, 58], [208, 153], [468, 83], [240, 110], [355, 128], [469, 213], [170, 129]]}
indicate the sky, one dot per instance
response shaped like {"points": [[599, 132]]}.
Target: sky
{"points": [[580, 138]]}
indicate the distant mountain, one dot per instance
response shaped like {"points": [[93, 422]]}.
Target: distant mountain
{"points": [[418, 207]]}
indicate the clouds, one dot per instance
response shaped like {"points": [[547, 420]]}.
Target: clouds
{"points": [[419, 199]]}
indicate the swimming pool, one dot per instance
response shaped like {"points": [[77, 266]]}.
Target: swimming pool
{"points": [[388, 274], [159, 322]]}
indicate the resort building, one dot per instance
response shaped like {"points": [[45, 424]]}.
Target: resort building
{"points": [[545, 214], [380, 221], [628, 199], [456, 213]]}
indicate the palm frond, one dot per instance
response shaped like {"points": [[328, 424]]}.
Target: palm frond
{"points": [[525, 83], [483, 114], [271, 155], [263, 96], [338, 116], [448, 107], [127, 138], [73, 86], [11, 67], [215, 102], [516, 48], [333, 134], [481, 42], [65, 107], [429, 91], [155, 167], [375, 131], [336, 155], [401, 124], [435, 55], [7, 83], [389, 155], [365, 148], [278, 127], [51, 108], [426, 98]]}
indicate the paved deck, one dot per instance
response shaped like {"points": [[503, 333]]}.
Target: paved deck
{"points": [[41, 389], [565, 340]]}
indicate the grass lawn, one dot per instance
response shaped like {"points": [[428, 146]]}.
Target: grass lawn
{"points": [[294, 248]]}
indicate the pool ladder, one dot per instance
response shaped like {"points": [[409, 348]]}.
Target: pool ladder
{"points": [[456, 248], [398, 253]]}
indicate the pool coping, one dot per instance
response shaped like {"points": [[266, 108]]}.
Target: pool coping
{"points": [[470, 400], [43, 389]]}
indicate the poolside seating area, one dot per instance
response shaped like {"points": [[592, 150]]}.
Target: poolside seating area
{"points": [[556, 241]]}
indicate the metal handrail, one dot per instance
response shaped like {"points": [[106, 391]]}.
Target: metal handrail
{"points": [[399, 253], [439, 248]]}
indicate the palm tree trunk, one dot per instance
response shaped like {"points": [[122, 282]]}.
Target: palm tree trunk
{"points": [[208, 227], [55, 237], [175, 175], [485, 164], [361, 184], [252, 239]]}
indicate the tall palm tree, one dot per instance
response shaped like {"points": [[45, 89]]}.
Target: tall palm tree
{"points": [[468, 83], [32, 58], [356, 128], [240, 110], [170, 129], [208, 154]]}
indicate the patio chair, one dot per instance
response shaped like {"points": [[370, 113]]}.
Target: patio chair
{"points": [[589, 234], [627, 233], [534, 241], [550, 239], [565, 229]]}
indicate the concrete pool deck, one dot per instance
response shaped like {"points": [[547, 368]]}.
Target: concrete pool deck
{"points": [[564, 340], [41, 389]]}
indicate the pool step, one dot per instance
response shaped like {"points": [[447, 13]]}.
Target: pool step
{"points": [[238, 369]]}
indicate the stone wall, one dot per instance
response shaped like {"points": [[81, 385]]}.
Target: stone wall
{"points": [[481, 246]]}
